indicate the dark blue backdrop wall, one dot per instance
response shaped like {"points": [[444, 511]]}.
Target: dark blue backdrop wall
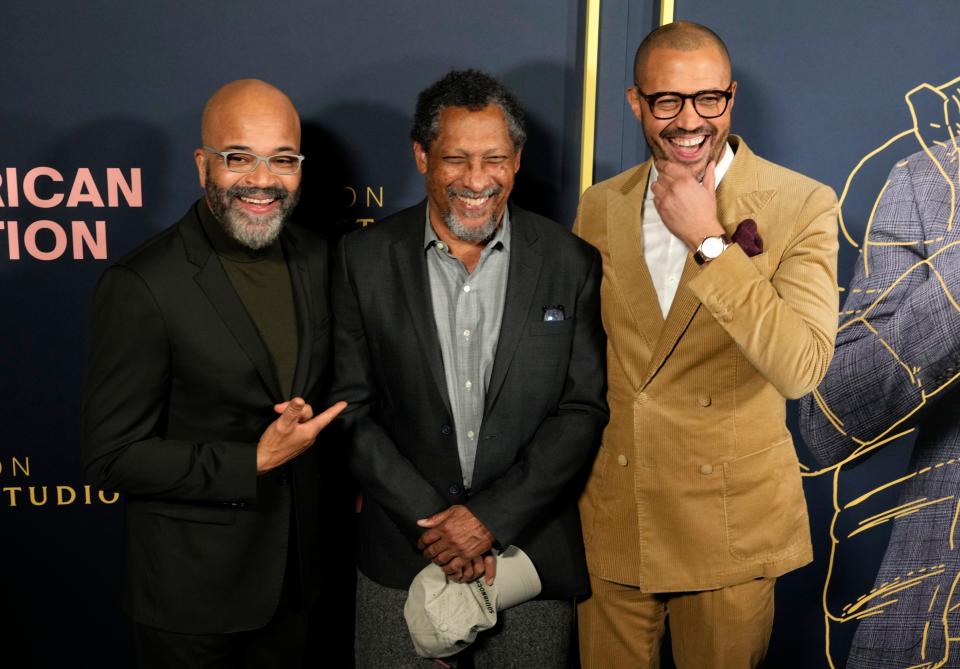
{"points": [[96, 133], [107, 84]]}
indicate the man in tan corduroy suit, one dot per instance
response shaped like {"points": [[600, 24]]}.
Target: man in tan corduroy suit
{"points": [[719, 299]]}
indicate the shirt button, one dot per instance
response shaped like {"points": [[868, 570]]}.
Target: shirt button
{"points": [[704, 400], [445, 429], [466, 289], [622, 460], [468, 385], [466, 333], [706, 470], [441, 246], [470, 434], [454, 489]]}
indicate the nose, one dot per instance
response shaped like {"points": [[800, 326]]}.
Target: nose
{"points": [[261, 176], [688, 118], [475, 177]]}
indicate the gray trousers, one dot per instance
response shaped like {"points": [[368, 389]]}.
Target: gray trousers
{"points": [[532, 635]]}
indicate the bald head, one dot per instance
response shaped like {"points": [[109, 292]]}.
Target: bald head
{"points": [[247, 101], [679, 36]]}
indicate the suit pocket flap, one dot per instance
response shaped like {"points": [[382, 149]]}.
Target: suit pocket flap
{"points": [[194, 513]]}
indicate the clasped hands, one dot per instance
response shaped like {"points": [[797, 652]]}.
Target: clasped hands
{"points": [[687, 206], [460, 544]]}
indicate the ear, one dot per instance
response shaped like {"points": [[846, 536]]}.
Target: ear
{"points": [[420, 156], [516, 160], [633, 99], [200, 158], [733, 95]]}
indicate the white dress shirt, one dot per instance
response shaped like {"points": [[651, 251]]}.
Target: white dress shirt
{"points": [[664, 253]]}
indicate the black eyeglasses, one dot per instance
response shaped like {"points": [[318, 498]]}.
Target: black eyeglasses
{"points": [[667, 105]]}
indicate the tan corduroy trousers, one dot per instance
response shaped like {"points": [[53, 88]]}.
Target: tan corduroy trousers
{"points": [[729, 628]]}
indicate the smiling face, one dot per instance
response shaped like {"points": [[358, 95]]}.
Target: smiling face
{"points": [[687, 139], [257, 118], [469, 171]]}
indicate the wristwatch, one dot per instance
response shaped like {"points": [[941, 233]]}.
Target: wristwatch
{"points": [[711, 248]]}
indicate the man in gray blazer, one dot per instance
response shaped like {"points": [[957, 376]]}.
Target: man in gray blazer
{"points": [[469, 345], [895, 371]]}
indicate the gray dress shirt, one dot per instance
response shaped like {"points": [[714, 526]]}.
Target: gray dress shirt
{"points": [[468, 311]]}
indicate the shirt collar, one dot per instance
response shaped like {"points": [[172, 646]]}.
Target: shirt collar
{"points": [[500, 239]]}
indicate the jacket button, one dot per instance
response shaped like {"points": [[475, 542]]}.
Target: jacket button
{"points": [[622, 460], [704, 400], [445, 430], [454, 489], [706, 469]]}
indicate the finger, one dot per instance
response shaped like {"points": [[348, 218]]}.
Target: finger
{"points": [[478, 567], [490, 568], [710, 176], [435, 519], [306, 414], [453, 567], [280, 408], [291, 415], [317, 423], [446, 557], [427, 538], [467, 574]]}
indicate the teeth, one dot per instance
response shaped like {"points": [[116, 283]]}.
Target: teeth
{"points": [[687, 142], [253, 201], [474, 201]]}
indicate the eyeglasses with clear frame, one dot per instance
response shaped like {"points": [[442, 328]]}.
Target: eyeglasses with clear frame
{"points": [[668, 104], [245, 162]]}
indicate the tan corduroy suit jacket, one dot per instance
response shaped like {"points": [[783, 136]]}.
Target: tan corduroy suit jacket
{"points": [[697, 485]]}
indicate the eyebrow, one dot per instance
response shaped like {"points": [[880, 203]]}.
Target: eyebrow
{"points": [[244, 147]]}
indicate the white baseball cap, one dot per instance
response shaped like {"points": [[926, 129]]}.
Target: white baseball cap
{"points": [[444, 617]]}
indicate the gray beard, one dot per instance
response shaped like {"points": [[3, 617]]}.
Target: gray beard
{"points": [[470, 233], [252, 232]]}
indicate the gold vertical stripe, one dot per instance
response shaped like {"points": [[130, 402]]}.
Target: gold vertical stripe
{"points": [[666, 12], [590, 55]]}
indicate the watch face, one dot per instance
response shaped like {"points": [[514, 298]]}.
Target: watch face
{"points": [[712, 247]]}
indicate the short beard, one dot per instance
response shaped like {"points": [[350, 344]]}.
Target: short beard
{"points": [[716, 152], [252, 232], [465, 233]]}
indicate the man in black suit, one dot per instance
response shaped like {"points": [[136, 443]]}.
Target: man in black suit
{"points": [[199, 339], [470, 348]]}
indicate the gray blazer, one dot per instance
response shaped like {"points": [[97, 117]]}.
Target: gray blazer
{"points": [[896, 368]]}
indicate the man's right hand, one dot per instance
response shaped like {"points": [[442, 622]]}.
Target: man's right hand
{"points": [[292, 433]]}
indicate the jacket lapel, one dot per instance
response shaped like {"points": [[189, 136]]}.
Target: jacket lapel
{"points": [[522, 277], [411, 268], [737, 199], [214, 283], [633, 281], [626, 254]]}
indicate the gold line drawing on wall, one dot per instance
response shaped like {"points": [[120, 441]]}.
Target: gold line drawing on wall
{"points": [[924, 135]]}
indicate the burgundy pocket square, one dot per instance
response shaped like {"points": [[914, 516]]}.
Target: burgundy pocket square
{"points": [[747, 238]]}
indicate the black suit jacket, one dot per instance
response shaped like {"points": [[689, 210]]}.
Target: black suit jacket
{"points": [[180, 389], [545, 406]]}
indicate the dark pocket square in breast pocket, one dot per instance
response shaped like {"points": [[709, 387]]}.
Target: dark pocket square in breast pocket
{"points": [[550, 327]]}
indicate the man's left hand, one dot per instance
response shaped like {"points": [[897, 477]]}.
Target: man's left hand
{"points": [[454, 533], [688, 208]]}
